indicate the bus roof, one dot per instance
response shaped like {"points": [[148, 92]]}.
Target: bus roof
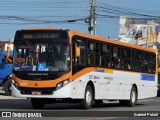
{"points": [[42, 29]]}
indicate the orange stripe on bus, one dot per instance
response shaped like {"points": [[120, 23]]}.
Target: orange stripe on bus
{"points": [[108, 71], [40, 84], [88, 70]]}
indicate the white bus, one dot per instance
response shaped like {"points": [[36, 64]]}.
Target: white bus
{"points": [[79, 67]]}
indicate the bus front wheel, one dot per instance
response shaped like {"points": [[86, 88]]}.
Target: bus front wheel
{"points": [[133, 97], [37, 103], [7, 87], [88, 98]]}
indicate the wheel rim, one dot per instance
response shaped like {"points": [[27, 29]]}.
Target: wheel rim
{"points": [[133, 96], [88, 97]]}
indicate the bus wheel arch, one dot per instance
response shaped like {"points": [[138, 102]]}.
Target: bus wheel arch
{"points": [[89, 96], [90, 83], [133, 96], [134, 85]]}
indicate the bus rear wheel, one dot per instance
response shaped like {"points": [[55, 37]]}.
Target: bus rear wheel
{"points": [[37, 103], [133, 97], [88, 98]]}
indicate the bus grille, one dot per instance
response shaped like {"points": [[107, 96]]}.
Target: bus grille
{"points": [[43, 91]]}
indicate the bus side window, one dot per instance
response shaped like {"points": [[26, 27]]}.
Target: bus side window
{"points": [[136, 62], [97, 55], [105, 55], [81, 58], [75, 59], [91, 57], [126, 59], [82, 55], [116, 60], [152, 63], [144, 59], [93, 53]]}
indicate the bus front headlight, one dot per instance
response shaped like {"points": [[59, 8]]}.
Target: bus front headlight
{"points": [[65, 82], [61, 84]]}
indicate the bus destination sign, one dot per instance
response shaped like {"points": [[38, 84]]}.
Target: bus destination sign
{"points": [[40, 35]]}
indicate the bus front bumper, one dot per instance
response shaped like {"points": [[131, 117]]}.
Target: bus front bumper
{"points": [[63, 92]]}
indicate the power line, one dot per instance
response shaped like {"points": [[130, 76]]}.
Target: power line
{"points": [[114, 11], [36, 21], [103, 11]]}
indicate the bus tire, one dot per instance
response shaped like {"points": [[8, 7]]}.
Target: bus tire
{"points": [[37, 103], [7, 87], [133, 97], [88, 98]]}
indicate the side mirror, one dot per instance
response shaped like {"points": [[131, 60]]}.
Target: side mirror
{"points": [[8, 52], [77, 51]]}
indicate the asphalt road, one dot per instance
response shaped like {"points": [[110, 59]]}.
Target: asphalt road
{"points": [[151, 105]]}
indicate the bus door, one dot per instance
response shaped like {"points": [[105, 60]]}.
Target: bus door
{"points": [[78, 61]]}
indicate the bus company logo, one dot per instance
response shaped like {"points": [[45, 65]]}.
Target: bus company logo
{"points": [[108, 78], [6, 114]]}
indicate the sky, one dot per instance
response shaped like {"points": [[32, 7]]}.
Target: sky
{"points": [[19, 14]]}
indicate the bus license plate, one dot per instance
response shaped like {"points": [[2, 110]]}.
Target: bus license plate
{"points": [[36, 92]]}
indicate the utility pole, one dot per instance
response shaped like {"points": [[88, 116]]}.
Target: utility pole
{"points": [[147, 36], [92, 19]]}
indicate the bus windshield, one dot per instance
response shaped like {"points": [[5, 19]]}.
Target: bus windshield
{"points": [[36, 56]]}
